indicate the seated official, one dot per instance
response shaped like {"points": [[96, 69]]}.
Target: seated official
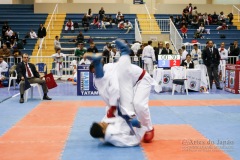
{"points": [[28, 71], [188, 63]]}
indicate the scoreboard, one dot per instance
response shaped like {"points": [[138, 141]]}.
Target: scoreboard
{"points": [[168, 60]]}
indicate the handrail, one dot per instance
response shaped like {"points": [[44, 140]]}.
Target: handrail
{"points": [[175, 37], [147, 11], [238, 11], [138, 36], [48, 30]]}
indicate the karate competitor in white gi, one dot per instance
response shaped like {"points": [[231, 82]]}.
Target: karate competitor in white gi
{"points": [[133, 90], [58, 59], [148, 57]]}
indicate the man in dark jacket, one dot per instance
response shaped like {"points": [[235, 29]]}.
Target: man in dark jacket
{"points": [[234, 51], [28, 71], [160, 50], [41, 33], [211, 59]]}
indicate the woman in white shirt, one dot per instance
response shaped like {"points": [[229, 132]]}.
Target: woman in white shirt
{"points": [[33, 34]]}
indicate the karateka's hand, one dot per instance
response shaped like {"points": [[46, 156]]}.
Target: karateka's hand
{"points": [[41, 77], [22, 78]]}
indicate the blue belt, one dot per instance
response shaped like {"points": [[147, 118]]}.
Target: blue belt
{"points": [[127, 119], [147, 57]]}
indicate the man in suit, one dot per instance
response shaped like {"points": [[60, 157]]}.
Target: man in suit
{"points": [[160, 50], [188, 63], [28, 71], [211, 59], [169, 51]]}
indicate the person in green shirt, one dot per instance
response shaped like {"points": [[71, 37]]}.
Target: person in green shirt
{"points": [[79, 52]]}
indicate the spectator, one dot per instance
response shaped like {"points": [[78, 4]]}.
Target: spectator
{"points": [[118, 17], [211, 59], [180, 53], [9, 32], [14, 38], [96, 22], [194, 11], [200, 19], [121, 25], [139, 52], [79, 52], [185, 13], [121, 19], [214, 18], [201, 28], [183, 22], [188, 63], [4, 28], [205, 18], [16, 53], [41, 33], [85, 23], [222, 27], [106, 46], [80, 38], [85, 61], [28, 71], [128, 26], [177, 21], [135, 47], [196, 54], [234, 49], [210, 20], [195, 22], [104, 22], [190, 8], [93, 48], [5, 52], [3, 65], [69, 25], [230, 17], [184, 53], [33, 34], [57, 44], [221, 17], [184, 31], [89, 14], [169, 51], [106, 53], [101, 13]]}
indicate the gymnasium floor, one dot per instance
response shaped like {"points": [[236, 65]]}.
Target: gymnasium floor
{"points": [[194, 127]]}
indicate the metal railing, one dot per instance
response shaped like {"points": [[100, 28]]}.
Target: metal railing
{"points": [[48, 30], [138, 36], [236, 10], [175, 37]]}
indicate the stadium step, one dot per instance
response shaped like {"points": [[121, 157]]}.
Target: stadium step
{"points": [[146, 23], [55, 30]]}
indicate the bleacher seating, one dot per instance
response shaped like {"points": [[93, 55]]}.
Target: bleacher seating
{"points": [[231, 34], [21, 18], [99, 36]]}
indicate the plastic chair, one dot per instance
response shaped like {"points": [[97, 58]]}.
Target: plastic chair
{"points": [[179, 77], [32, 86], [14, 78]]}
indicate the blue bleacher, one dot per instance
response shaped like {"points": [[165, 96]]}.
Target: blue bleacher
{"points": [[21, 18], [98, 35], [231, 34]]}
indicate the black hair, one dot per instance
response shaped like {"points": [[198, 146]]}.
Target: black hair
{"points": [[149, 42], [96, 131], [91, 67], [1, 56], [188, 55]]}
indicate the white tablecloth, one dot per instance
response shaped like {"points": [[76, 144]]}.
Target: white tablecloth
{"points": [[196, 78]]}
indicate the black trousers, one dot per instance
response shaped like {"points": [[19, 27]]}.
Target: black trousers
{"points": [[213, 75]]}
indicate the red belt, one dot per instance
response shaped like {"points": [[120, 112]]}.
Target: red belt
{"points": [[142, 75]]}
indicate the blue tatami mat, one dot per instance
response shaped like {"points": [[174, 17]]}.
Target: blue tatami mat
{"points": [[81, 146]]}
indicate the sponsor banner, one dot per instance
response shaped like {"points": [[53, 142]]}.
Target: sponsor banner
{"points": [[85, 83]]}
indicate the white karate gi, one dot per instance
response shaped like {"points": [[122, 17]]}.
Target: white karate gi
{"points": [[148, 56], [85, 62], [58, 59], [133, 94], [135, 47], [224, 57], [3, 66], [196, 55], [118, 133]]}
